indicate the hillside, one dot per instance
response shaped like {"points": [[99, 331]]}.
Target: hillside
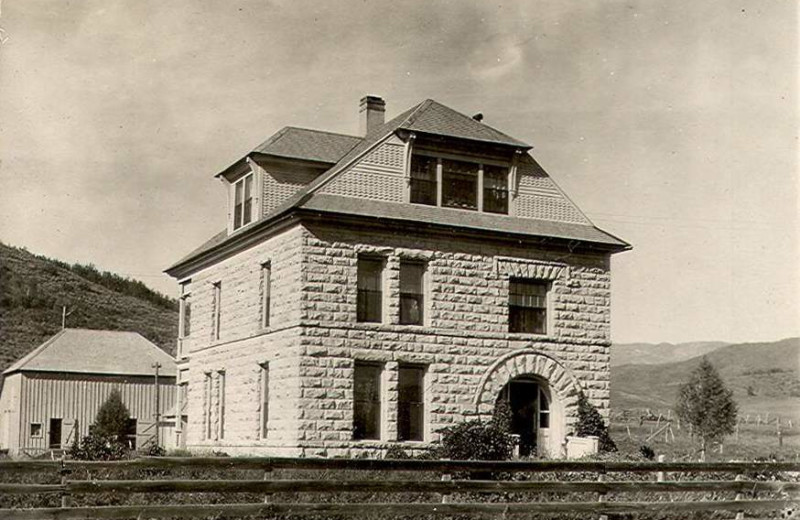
{"points": [[34, 288], [761, 375], [652, 354]]}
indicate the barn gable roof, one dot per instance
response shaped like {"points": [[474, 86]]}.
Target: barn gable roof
{"points": [[96, 352]]}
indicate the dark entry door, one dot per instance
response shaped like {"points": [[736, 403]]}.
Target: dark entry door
{"points": [[523, 399], [55, 434]]}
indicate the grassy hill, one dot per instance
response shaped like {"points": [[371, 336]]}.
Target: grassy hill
{"points": [[763, 376], [34, 288], [651, 354]]}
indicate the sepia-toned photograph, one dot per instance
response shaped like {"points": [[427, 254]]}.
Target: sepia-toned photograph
{"points": [[415, 260]]}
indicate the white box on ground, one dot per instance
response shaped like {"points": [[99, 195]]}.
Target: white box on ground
{"points": [[578, 447]]}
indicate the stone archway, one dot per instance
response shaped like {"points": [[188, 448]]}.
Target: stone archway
{"points": [[562, 383]]}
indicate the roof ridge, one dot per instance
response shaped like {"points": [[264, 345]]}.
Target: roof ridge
{"points": [[321, 131], [415, 111]]}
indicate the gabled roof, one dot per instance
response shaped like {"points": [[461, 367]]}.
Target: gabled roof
{"points": [[429, 117], [96, 352], [310, 145]]}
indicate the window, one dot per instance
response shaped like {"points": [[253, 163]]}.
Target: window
{"points": [[221, 404], [527, 306], [370, 295], [495, 189], [412, 298], [36, 429], [367, 401], [243, 201], [459, 184], [130, 433], [217, 310], [410, 408], [423, 180], [544, 410], [208, 386], [264, 400], [266, 290], [185, 316]]}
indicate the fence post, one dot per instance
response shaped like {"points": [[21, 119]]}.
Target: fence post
{"points": [[64, 472], [739, 496], [660, 475], [601, 496], [267, 496], [447, 477]]}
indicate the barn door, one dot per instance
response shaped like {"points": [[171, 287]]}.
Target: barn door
{"points": [[69, 431], [54, 436]]}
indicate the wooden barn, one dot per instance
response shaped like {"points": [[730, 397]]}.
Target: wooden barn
{"points": [[53, 394]]}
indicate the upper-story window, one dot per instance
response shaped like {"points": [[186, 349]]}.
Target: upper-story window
{"points": [[370, 289], [459, 184], [412, 299], [462, 184], [423, 180], [495, 189], [243, 201], [527, 306]]}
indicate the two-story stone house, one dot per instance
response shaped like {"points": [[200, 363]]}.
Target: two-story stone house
{"points": [[374, 289]]}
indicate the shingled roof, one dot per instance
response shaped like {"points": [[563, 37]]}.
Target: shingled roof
{"points": [[311, 145], [429, 117], [96, 352]]}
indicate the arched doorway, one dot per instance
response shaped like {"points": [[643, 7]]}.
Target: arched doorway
{"points": [[557, 383], [528, 399]]}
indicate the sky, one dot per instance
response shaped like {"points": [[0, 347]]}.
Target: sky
{"points": [[672, 124]]}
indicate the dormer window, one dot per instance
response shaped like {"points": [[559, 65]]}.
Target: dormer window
{"points": [[461, 184], [243, 201]]}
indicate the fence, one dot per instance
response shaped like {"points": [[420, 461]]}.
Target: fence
{"points": [[603, 494]]}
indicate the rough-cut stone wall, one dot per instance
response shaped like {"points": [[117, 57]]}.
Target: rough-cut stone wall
{"points": [[466, 330], [314, 339], [244, 344]]}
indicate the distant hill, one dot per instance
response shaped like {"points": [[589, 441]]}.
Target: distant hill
{"points": [[34, 288], [761, 375], [651, 353]]}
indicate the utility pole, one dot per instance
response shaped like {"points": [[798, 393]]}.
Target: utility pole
{"points": [[157, 365], [64, 315]]}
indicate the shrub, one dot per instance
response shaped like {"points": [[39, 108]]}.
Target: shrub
{"points": [[647, 452], [476, 440], [590, 424], [396, 452]]}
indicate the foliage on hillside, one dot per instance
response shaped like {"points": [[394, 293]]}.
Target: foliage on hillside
{"points": [[33, 290]]}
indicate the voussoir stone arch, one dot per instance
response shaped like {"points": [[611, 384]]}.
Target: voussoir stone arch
{"points": [[528, 362]]}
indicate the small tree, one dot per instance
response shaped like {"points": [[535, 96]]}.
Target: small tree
{"points": [[707, 405], [113, 417], [106, 439], [591, 424]]}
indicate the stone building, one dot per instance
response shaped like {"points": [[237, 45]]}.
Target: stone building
{"points": [[373, 289]]}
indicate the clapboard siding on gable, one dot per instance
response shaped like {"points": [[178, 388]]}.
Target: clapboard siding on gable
{"points": [[380, 175]]}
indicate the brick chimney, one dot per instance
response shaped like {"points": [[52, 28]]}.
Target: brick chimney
{"points": [[371, 113]]}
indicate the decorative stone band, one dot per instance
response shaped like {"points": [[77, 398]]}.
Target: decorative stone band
{"points": [[528, 362], [519, 268]]}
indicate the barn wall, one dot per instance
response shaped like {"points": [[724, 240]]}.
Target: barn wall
{"points": [[76, 398]]}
